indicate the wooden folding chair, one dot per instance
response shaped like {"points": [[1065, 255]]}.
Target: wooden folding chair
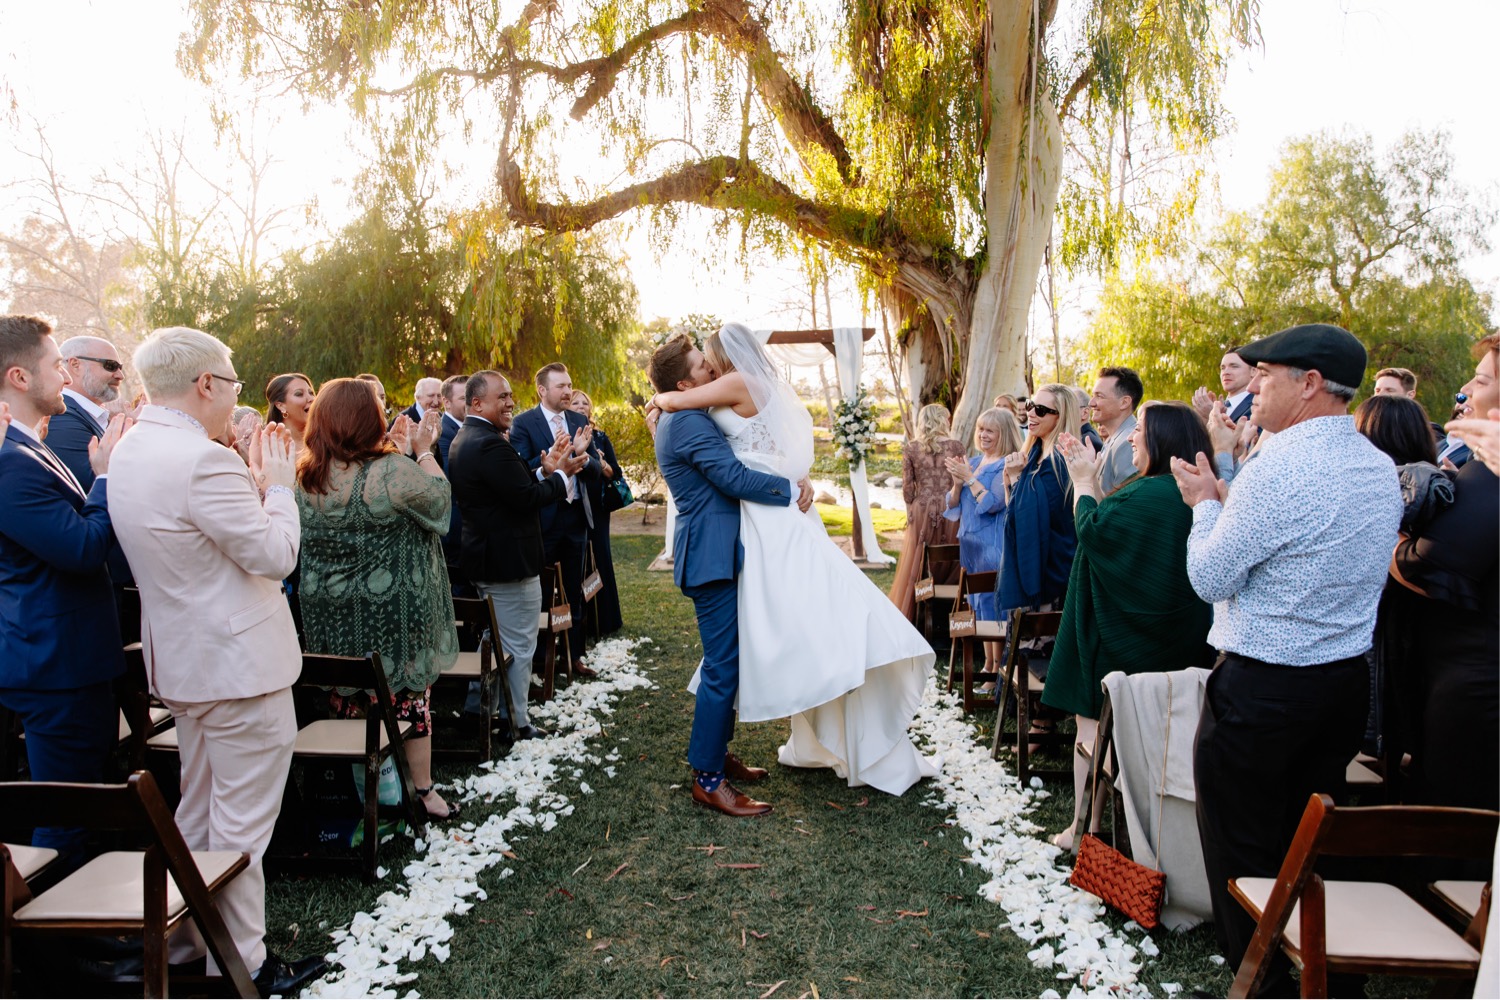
{"points": [[1015, 683], [592, 584], [141, 717], [1104, 775], [930, 594], [968, 633], [478, 667], [124, 892], [370, 740], [554, 628], [1355, 928]]}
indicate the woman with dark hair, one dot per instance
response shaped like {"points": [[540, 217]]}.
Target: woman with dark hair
{"points": [[1453, 564], [372, 561], [288, 399], [1398, 426], [1130, 605], [607, 601]]}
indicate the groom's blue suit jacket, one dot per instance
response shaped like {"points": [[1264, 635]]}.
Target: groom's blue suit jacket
{"points": [[707, 484]]}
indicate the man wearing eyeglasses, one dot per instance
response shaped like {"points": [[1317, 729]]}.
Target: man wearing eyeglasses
{"points": [[220, 646], [94, 365]]}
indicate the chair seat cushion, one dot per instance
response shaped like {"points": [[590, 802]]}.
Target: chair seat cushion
{"points": [[1465, 896], [1360, 776], [110, 887], [1370, 920], [158, 716], [30, 860], [543, 622], [337, 738], [466, 667], [945, 591]]}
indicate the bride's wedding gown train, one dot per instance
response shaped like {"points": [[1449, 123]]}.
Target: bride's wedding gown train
{"points": [[820, 643]]}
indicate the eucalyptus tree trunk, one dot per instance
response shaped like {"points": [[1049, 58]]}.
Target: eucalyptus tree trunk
{"points": [[971, 317]]}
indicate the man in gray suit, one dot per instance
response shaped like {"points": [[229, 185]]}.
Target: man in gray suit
{"points": [[1117, 393]]}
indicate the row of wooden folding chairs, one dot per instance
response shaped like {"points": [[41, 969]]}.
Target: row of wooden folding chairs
{"points": [[119, 893], [367, 742]]}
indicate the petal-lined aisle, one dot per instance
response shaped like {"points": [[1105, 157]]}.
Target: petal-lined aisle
{"points": [[410, 925]]}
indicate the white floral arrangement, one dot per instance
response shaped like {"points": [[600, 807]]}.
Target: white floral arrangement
{"points": [[854, 428]]}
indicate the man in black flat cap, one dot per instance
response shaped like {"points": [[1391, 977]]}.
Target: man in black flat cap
{"points": [[1294, 559]]}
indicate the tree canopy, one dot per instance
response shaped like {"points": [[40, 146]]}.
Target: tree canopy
{"points": [[1370, 240], [921, 140]]}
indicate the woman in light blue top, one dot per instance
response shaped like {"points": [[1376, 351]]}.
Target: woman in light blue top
{"points": [[976, 504]]}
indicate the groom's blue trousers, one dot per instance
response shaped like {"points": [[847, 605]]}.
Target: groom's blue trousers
{"points": [[717, 605]]}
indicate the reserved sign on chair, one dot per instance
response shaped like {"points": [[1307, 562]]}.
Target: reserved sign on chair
{"points": [[923, 589], [561, 618]]}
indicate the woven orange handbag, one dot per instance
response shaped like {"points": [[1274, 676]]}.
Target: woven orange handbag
{"points": [[1122, 883]]}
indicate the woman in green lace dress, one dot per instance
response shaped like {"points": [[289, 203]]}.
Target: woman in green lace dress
{"points": [[373, 576]]}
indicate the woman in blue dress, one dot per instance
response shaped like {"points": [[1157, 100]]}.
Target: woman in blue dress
{"points": [[976, 502]]}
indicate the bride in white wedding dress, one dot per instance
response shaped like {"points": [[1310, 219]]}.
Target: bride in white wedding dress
{"points": [[818, 641]]}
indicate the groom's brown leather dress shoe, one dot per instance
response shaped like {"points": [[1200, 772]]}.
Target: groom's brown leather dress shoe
{"points": [[730, 800], [737, 770]]}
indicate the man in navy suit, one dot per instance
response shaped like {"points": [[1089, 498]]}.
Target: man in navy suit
{"points": [[565, 525], [1234, 377], [94, 366], [707, 484], [97, 374], [60, 647]]}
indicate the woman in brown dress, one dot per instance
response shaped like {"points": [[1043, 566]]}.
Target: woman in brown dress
{"points": [[925, 482]]}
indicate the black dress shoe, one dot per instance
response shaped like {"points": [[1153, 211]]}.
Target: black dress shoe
{"points": [[531, 733], [277, 977]]}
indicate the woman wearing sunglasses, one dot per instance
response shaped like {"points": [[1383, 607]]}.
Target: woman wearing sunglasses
{"points": [[1037, 540]]}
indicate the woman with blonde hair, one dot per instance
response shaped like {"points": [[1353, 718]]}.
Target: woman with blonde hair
{"points": [[1037, 538], [925, 481], [976, 502]]}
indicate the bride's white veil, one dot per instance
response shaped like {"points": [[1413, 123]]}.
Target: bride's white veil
{"points": [[788, 421]]}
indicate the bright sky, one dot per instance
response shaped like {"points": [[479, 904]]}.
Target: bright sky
{"points": [[99, 75]]}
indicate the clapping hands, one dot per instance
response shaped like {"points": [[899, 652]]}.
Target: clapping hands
{"points": [[273, 457], [1082, 459], [100, 449], [425, 433], [959, 469], [562, 457], [1198, 481], [1204, 400], [400, 434]]}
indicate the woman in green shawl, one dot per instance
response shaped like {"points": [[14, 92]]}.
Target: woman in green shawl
{"points": [[1130, 606]]}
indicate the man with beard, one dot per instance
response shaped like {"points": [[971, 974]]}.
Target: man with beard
{"points": [[94, 365], [60, 646]]}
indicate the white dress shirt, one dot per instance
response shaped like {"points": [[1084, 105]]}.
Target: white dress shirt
{"points": [[558, 422], [93, 409]]}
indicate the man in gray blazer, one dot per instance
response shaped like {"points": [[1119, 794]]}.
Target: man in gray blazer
{"points": [[1117, 393]]}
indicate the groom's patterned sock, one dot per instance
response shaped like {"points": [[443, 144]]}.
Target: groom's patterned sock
{"points": [[709, 781]]}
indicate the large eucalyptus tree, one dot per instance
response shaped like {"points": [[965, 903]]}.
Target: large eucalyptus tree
{"points": [[922, 140]]}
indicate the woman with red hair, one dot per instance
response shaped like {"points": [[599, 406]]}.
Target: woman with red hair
{"points": [[373, 575]]}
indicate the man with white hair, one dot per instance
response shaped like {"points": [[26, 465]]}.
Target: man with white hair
{"points": [[220, 646], [429, 396]]}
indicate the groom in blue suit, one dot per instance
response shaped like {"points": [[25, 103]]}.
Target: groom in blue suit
{"points": [[60, 646], [707, 484]]}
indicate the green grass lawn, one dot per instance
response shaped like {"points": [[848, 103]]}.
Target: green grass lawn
{"points": [[840, 520], [822, 915]]}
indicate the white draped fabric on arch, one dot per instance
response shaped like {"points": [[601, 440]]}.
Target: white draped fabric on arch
{"points": [[848, 355]]}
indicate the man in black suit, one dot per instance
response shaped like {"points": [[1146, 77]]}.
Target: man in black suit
{"points": [[502, 534], [453, 420], [565, 525]]}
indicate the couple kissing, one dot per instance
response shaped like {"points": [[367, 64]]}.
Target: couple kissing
{"points": [[790, 627]]}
